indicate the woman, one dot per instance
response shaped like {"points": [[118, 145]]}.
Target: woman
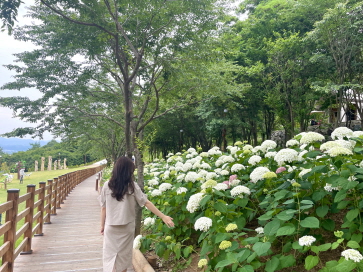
{"points": [[118, 199]]}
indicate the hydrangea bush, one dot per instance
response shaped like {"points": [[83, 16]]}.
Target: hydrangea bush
{"points": [[259, 208]]}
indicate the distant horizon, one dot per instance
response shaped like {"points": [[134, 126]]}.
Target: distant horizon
{"points": [[16, 144]]}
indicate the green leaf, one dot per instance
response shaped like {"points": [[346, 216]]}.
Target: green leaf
{"points": [[318, 195], [307, 202], [224, 263], [290, 201], [341, 195], [347, 184], [345, 266], [221, 207], [243, 255], [205, 200], [352, 214], [246, 268], [286, 230], [324, 247], [261, 248], [319, 169], [272, 264], [311, 261], [220, 237], [285, 215], [322, 210], [241, 222], [187, 250], [353, 244], [328, 224], [310, 222], [266, 216], [271, 227], [287, 261]]}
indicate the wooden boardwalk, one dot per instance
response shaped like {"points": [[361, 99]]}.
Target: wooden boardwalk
{"points": [[72, 242]]}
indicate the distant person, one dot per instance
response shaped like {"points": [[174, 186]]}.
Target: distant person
{"points": [[118, 198], [313, 122]]}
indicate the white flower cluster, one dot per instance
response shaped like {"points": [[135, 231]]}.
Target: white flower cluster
{"points": [[268, 144], [193, 202], [165, 186], [259, 230], [221, 187], [270, 154], [149, 221], [346, 144], [239, 190], [336, 151], [191, 177], [187, 166], [247, 147], [303, 172], [257, 173], [180, 177], [224, 173], [153, 182], [329, 188], [237, 167], [311, 137], [286, 155], [341, 132], [137, 242], [306, 240], [328, 145], [255, 159], [181, 190], [352, 254], [155, 192], [203, 224], [209, 184], [210, 175], [357, 133], [292, 142]]}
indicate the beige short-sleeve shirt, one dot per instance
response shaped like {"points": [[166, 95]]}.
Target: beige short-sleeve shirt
{"points": [[121, 212]]}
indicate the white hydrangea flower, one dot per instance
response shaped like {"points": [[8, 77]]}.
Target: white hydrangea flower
{"points": [[187, 166], [341, 132], [292, 142], [247, 147], [233, 150], [181, 190], [165, 186], [228, 159], [240, 190], [303, 172], [189, 156], [330, 144], [301, 154], [225, 166], [286, 155], [197, 165], [329, 188], [137, 242], [234, 182], [311, 137], [224, 173], [155, 174], [270, 154], [155, 192], [237, 167], [357, 133], [205, 165], [218, 171], [202, 173], [149, 221], [257, 173], [255, 159], [260, 230], [221, 187], [214, 151], [191, 177], [204, 154], [257, 148], [166, 174], [303, 146], [306, 240], [218, 163], [180, 177], [209, 184], [191, 150], [346, 144], [179, 164], [153, 182], [291, 168], [336, 151], [352, 254], [203, 224], [193, 202], [268, 144], [210, 175]]}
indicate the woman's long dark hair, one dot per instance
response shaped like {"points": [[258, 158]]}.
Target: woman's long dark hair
{"points": [[122, 180]]}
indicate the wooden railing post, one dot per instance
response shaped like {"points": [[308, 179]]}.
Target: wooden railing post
{"points": [[61, 190], [51, 207], [56, 193], [9, 236], [29, 220], [41, 209]]}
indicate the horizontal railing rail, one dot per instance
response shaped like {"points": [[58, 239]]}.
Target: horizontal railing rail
{"points": [[40, 204]]}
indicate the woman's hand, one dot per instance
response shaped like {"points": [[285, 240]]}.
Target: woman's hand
{"points": [[102, 230], [168, 221]]}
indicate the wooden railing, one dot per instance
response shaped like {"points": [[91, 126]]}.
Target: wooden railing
{"points": [[40, 204]]}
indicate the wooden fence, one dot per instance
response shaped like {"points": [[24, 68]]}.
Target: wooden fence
{"points": [[41, 203]]}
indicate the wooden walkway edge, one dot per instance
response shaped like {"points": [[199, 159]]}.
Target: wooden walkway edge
{"points": [[72, 242]]}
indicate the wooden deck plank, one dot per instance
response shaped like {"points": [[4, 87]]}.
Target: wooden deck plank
{"points": [[72, 242]]}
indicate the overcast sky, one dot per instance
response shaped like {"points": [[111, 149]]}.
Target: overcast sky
{"points": [[8, 47]]}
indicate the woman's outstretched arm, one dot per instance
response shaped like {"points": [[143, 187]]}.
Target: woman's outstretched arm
{"points": [[167, 219]]}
